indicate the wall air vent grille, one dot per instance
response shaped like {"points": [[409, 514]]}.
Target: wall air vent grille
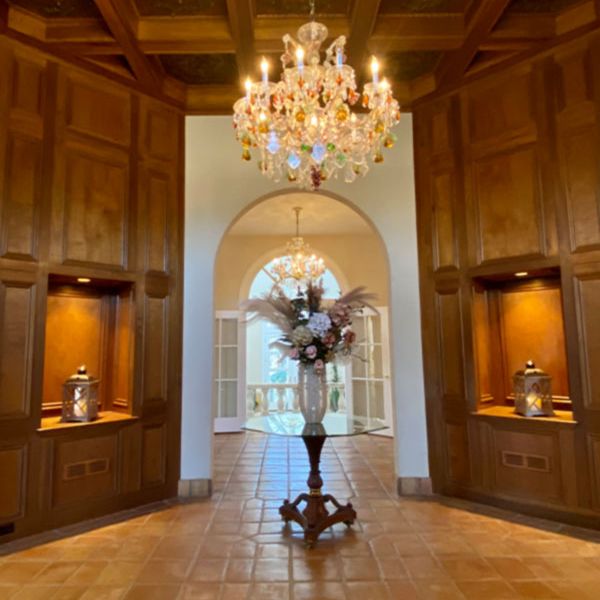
{"points": [[529, 462], [85, 468]]}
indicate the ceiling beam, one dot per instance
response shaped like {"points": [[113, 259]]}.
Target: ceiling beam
{"points": [[362, 24], [241, 21], [120, 16], [483, 18]]}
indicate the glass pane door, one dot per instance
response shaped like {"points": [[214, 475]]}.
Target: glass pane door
{"points": [[371, 389], [228, 372]]}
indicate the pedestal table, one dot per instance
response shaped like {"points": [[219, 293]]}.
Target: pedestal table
{"points": [[315, 517]]}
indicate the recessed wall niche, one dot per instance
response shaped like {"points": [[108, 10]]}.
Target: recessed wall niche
{"points": [[516, 319], [91, 322]]}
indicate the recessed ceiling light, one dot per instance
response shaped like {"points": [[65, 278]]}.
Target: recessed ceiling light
{"points": [[83, 279], [521, 274]]}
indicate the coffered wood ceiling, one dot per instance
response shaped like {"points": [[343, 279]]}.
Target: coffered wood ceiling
{"points": [[197, 52]]}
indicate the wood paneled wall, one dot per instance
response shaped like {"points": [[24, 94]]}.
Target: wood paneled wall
{"points": [[90, 185], [508, 180]]}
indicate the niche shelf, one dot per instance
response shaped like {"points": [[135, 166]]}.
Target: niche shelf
{"points": [[89, 321], [515, 319]]}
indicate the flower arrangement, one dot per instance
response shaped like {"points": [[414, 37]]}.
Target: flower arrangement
{"points": [[314, 331]]}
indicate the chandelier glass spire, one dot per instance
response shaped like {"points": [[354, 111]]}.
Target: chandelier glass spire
{"points": [[309, 127], [299, 264]]}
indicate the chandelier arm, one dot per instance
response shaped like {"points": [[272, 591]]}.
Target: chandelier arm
{"points": [[331, 52]]}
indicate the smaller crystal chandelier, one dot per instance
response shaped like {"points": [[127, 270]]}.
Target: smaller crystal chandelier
{"points": [[305, 127], [299, 263]]}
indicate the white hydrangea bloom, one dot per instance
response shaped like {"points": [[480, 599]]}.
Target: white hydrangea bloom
{"points": [[319, 324]]}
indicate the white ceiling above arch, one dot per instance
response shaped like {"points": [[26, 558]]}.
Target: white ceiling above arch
{"points": [[321, 215]]}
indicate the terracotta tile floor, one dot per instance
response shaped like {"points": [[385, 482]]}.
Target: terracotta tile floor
{"points": [[235, 547]]}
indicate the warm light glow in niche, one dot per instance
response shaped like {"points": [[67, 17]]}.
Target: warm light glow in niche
{"points": [[521, 274], [84, 279]]}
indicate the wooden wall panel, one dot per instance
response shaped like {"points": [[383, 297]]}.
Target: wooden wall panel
{"points": [[483, 347], [588, 310], [457, 452], [84, 469], [90, 186], [155, 349], [90, 218], [450, 343], [510, 161], [594, 460], [158, 131], [20, 201], [157, 195], [17, 314], [527, 464], [501, 108], [579, 145], [13, 467], [509, 218], [101, 112], [123, 351], [154, 457], [444, 232], [579, 152], [27, 96]]}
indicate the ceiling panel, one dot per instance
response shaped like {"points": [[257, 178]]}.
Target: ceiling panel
{"points": [[422, 6], [301, 7], [59, 8], [196, 69], [541, 6], [404, 66], [181, 8]]}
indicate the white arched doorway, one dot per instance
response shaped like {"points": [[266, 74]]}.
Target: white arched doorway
{"points": [[219, 189], [254, 377]]}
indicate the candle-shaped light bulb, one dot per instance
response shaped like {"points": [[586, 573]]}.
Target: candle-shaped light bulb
{"points": [[375, 70], [339, 58], [262, 116], [248, 86], [314, 121], [264, 67], [300, 58], [384, 86]]}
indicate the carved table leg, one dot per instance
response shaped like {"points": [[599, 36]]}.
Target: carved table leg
{"points": [[315, 517]]}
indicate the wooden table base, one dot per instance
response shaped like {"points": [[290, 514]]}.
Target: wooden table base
{"points": [[315, 517]]}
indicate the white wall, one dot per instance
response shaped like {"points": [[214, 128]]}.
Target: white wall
{"points": [[219, 185]]}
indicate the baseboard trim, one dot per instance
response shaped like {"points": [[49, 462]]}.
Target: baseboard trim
{"points": [[194, 488], [414, 486]]}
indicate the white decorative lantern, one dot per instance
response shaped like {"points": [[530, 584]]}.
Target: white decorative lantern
{"points": [[80, 397], [533, 392]]}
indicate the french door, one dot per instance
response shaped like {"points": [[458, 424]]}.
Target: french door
{"points": [[229, 387], [369, 373]]}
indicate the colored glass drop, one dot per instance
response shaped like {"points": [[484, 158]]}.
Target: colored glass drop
{"points": [[293, 160], [318, 152]]}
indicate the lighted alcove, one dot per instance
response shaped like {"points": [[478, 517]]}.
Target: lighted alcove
{"points": [[88, 322], [517, 319]]}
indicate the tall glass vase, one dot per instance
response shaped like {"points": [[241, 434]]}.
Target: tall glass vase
{"points": [[312, 393]]}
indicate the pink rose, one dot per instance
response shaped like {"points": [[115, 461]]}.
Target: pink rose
{"points": [[319, 365], [349, 337], [294, 354], [311, 351]]}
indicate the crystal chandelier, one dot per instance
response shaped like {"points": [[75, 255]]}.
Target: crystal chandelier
{"points": [[304, 127], [299, 263]]}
